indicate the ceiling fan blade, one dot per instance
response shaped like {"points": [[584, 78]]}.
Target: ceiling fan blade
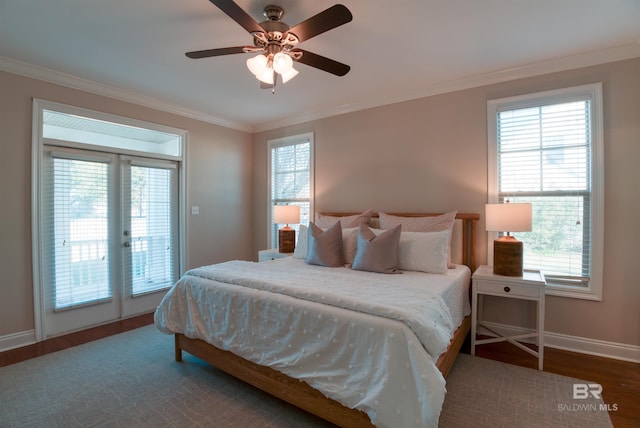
{"points": [[236, 13], [322, 63], [215, 52], [329, 19]]}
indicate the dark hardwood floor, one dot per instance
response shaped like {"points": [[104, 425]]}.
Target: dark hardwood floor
{"points": [[78, 338], [620, 380]]}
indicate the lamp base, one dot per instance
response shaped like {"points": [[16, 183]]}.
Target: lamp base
{"points": [[507, 256], [286, 240]]}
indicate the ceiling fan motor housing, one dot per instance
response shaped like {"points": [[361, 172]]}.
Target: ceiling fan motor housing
{"points": [[273, 12]]}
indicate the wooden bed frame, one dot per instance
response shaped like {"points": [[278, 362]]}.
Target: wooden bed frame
{"points": [[299, 393]]}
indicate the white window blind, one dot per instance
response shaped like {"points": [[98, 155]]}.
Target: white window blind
{"points": [[77, 225], [150, 259], [544, 156], [291, 179]]}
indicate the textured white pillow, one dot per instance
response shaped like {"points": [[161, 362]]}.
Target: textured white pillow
{"points": [[419, 224], [326, 221], [424, 252]]}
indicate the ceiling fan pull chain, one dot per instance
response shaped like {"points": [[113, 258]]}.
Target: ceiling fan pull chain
{"points": [[275, 79]]}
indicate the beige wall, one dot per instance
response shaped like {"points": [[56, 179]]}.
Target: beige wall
{"points": [[422, 155], [218, 181], [430, 154]]}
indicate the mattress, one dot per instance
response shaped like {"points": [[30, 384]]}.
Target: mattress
{"points": [[367, 340]]}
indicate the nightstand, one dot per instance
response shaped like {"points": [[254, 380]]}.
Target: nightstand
{"points": [[271, 254], [530, 286]]}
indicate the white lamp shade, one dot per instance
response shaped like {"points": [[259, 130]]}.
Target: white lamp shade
{"points": [[286, 214], [508, 217], [282, 63]]}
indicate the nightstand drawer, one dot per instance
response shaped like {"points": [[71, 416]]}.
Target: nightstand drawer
{"points": [[506, 289]]}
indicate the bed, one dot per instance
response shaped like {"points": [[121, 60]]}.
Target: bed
{"points": [[295, 331]]}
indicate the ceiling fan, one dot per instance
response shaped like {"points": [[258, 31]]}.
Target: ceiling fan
{"points": [[276, 42]]}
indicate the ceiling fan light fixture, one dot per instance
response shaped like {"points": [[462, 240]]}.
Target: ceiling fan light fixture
{"points": [[282, 63], [257, 64], [276, 41], [266, 76], [289, 75]]}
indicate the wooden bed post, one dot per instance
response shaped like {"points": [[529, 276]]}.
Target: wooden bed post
{"points": [[178, 350]]}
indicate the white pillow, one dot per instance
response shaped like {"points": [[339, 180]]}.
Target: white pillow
{"points": [[325, 221], [300, 252], [424, 251]]}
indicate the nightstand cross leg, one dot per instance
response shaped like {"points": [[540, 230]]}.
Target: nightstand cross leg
{"points": [[530, 286]]}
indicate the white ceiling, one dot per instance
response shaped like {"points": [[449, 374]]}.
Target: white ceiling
{"points": [[397, 50]]}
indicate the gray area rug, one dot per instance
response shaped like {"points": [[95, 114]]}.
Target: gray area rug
{"points": [[131, 380]]}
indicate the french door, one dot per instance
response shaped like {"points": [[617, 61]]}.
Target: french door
{"points": [[110, 236]]}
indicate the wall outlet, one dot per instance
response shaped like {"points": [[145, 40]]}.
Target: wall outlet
{"points": [[195, 210]]}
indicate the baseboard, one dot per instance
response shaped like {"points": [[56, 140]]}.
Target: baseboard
{"points": [[583, 345], [17, 340]]}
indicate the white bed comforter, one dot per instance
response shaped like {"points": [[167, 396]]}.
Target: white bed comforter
{"points": [[358, 337]]}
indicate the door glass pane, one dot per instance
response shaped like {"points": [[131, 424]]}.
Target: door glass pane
{"points": [[80, 232], [152, 259]]}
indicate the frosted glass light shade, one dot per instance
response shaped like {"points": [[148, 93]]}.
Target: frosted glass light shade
{"points": [[289, 75], [282, 63], [266, 76], [508, 217], [286, 214], [257, 64]]}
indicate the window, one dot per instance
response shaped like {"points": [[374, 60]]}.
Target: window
{"points": [[290, 179], [546, 149]]}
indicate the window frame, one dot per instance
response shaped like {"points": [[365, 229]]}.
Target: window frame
{"points": [[288, 141], [593, 92], [38, 143]]}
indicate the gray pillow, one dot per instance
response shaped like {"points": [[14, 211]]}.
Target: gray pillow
{"points": [[324, 248], [377, 253]]}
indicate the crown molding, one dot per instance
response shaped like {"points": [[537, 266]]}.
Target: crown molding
{"points": [[618, 53], [74, 82]]}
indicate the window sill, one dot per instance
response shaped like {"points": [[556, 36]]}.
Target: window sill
{"points": [[573, 292]]}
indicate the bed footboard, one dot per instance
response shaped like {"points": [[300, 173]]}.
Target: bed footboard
{"points": [[271, 381], [294, 391]]}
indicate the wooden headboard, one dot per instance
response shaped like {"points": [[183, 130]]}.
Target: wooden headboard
{"points": [[467, 230]]}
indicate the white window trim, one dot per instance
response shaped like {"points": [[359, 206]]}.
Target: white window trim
{"points": [[285, 141], [594, 92], [37, 144]]}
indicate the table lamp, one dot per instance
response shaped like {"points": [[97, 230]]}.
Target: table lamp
{"points": [[286, 214], [507, 250]]}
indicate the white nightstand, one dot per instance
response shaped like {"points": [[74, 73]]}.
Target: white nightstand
{"points": [[530, 286], [272, 254]]}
